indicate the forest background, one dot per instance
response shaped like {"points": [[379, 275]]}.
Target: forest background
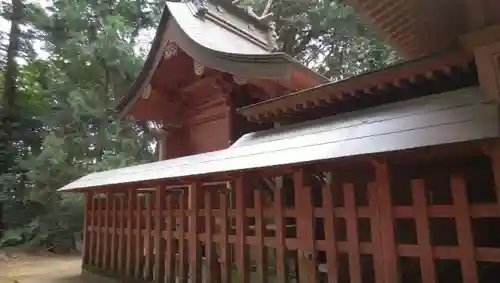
{"points": [[66, 63]]}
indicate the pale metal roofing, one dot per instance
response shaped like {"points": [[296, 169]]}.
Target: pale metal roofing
{"points": [[450, 117]]}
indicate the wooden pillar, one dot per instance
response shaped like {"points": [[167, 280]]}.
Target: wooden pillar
{"points": [[99, 232], [376, 235], [464, 230], [388, 241], [182, 239], [106, 231], [352, 233], [305, 227], [241, 187], [139, 239], [194, 243], [210, 255], [129, 263], [159, 274], [224, 247], [170, 251], [86, 223], [427, 266], [259, 233], [329, 220], [281, 267], [121, 240], [148, 274], [114, 222]]}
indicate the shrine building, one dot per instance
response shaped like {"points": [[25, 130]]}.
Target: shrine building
{"points": [[269, 172]]}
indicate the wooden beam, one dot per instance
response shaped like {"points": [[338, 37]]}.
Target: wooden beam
{"points": [[183, 270], [352, 232], [121, 239], [99, 232]]}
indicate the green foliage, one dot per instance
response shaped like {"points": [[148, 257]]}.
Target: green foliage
{"points": [[63, 125]]}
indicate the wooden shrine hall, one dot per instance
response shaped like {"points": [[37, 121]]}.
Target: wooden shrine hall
{"points": [[268, 172]]}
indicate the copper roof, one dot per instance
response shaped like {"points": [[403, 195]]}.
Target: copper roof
{"points": [[371, 84], [452, 117], [220, 36]]}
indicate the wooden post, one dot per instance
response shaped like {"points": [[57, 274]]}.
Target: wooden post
{"points": [[329, 220], [139, 239], [281, 268], [86, 223], [241, 260], [130, 243], [112, 258], [182, 239], [210, 255], [388, 241], [98, 231], [170, 253], [121, 239], [148, 276], [194, 244], [224, 248], [305, 228], [106, 251], [376, 236], [159, 274], [259, 233], [352, 233], [464, 230], [423, 233]]}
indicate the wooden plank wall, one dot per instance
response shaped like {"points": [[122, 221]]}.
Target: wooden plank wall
{"points": [[339, 229]]}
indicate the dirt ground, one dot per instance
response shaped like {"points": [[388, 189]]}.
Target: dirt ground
{"points": [[41, 269]]}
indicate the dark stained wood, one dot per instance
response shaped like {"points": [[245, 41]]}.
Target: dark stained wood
{"points": [[159, 271], [195, 263], [329, 222], [225, 257], [281, 268], [241, 187], [305, 230], [259, 234], [423, 233]]}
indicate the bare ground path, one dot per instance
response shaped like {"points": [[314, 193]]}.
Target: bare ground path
{"points": [[41, 269]]}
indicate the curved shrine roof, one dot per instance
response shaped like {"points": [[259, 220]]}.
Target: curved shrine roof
{"points": [[221, 36], [452, 117]]}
